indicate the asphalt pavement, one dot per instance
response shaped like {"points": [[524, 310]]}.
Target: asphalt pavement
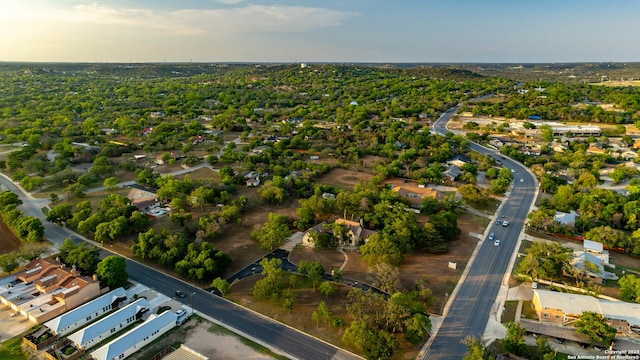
{"points": [[474, 299]]}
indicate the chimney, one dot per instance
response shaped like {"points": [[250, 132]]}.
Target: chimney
{"points": [[57, 258], [95, 277], [74, 271]]}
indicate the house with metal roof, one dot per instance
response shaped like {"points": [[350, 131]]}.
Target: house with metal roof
{"points": [[565, 308], [82, 315], [100, 330], [137, 338]]}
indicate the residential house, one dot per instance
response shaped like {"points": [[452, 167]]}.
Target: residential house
{"points": [[106, 327], [147, 131], [595, 148], [137, 338], [590, 267], [356, 233], [558, 147], [629, 154], [259, 149], [80, 316], [459, 160], [451, 173], [566, 218], [597, 249], [46, 289], [415, 195], [253, 182], [143, 199]]}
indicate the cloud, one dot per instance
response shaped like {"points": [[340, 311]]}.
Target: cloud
{"points": [[229, 2], [240, 19]]}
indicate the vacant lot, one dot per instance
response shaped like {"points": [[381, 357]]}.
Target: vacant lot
{"points": [[8, 240], [342, 178], [209, 340]]}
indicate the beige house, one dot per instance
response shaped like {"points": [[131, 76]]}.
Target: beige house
{"points": [[415, 194], [355, 234], [46, 289]]}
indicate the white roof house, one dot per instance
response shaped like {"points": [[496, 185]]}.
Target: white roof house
{"points": [[566, 218], [137, 338], [82, 315], [107, 326], [593, 246]]}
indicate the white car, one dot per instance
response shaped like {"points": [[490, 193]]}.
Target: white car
{"points": [[505, 223], [497, 242], [521, 180], [513, 170]]}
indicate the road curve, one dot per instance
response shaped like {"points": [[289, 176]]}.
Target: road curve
{"points": [[474, 303]]}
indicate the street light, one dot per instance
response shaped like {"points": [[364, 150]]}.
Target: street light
{"points": [[191, 301]]}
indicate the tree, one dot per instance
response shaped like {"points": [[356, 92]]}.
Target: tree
{"points": [[221, 285], [60, 214], [595, 326], [8, 263], [327, 288], [54, 198], [630, 288], [418, 328], [112, 271], [312, 270], [274, 232], [387, 277], [514, 342], [475, 349], [336, 274], [110, 183], [374, 344]]}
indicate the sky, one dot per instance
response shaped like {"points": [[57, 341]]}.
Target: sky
{"points": [[505, 31]]}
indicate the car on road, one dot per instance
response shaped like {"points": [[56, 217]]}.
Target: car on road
{"points": [[521, 180], [492, 236], [505, 223], [513, 170], [497, 242], [180, 294]]}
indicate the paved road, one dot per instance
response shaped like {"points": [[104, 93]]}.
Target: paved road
{"points": [[475, 300], [278, 337]]}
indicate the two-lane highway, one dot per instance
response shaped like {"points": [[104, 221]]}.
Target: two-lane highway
{"points": [[474, 302]]}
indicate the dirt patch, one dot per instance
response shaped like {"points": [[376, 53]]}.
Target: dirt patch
{"points": [[343, 178], [330, 259], [236, 240], [8, 240], [197, 335], [220, 346]]}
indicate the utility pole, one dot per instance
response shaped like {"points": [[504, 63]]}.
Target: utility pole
{"points": [[191, 301]]}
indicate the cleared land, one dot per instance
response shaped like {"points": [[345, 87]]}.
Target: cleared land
{"points": [[8, 240]]}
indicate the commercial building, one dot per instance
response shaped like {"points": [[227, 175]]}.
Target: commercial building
{"points": [[46, 289]]}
